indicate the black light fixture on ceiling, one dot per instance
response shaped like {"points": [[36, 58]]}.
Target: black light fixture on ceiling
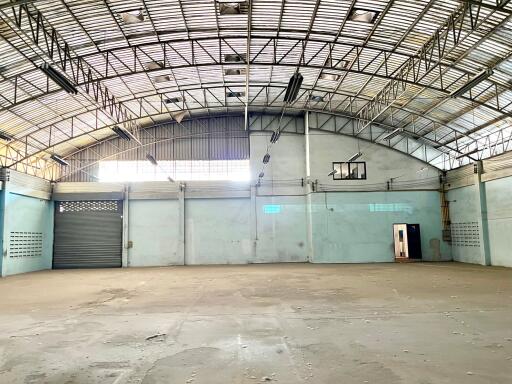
{"points": [[333, 172], [174, 100], [171, 179], [275, 136], [481, 76], [392, 134], [58, 78], [235, 57], [293, 87], [5, 137], [234, 71], [59, 160], [266, 158], [261, 175], [355, 156], [316, 98], [133, 16], [122, 133], [151, 159], [235, 94]]}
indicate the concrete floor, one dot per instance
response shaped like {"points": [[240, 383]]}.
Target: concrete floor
{"points": [[380, 323]]}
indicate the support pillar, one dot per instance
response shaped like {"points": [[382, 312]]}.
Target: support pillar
{"points": [[181, 244], [483, 224], [126, 226], [254, 224], [309, 214]]}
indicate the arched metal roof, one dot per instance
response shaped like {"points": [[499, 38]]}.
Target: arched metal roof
{"points": [[386, 63]]}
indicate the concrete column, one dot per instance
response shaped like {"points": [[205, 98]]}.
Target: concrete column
{"points": [[309, 215], [3, 237], [483, 224], [254, 223], [126, 227], [181, 244]]}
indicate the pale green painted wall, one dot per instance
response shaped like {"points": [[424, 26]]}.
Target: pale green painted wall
{"points": [[357, 227], [154, 231], [499, 213], [464, 209], [27, 214], [217, 231], [281, 236]]}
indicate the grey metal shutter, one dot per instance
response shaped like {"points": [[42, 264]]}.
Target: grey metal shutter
{"points": [[88, 234]]}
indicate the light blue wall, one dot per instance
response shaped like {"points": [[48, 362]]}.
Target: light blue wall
{"points": [[357, 227], [499, 213], [218, 231], [27, 214], [464, 209], [281, 229], [154, 231]]}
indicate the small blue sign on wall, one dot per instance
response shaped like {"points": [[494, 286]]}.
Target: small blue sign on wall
{"points": [[272, 208]]}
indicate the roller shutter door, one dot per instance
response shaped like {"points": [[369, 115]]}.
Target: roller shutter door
{"points": [[88, 234]]}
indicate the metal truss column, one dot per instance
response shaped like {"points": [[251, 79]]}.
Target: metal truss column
{"points": [[309, 215], [126, 226], [182, 221], [3, 236], [483, 224]]}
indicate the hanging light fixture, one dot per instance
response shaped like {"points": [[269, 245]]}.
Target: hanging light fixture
{"points": [[5, 137], [293, 87], [266, 158], [58, 78], [355, 156], [59, 160], [151, 159]]}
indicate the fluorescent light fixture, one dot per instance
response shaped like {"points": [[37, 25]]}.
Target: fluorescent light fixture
{"points": [[162, 79], [235, 58], [261, 175], [275, 136], [154, 65], [329, 76], [316, 98], [179, 116], [59, 160], [122, 133], [234, 71], [266, 158], [481, 76], [174, 100], [293, 87], [333, 172], [363, 15], [392, 134], [232, 7], [59, 78], [355, 156], [171, 179], [132, 16], [235, 94], [151, 159], [5, 137]]}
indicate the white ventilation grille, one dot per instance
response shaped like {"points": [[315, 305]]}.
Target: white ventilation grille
{"points": [[88, 206], [26, 244], [465, 234]]}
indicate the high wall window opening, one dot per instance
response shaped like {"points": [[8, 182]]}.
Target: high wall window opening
{"points": [[183, 170]]}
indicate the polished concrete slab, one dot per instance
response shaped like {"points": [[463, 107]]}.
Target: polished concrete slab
{"points": [[295, 323]]}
